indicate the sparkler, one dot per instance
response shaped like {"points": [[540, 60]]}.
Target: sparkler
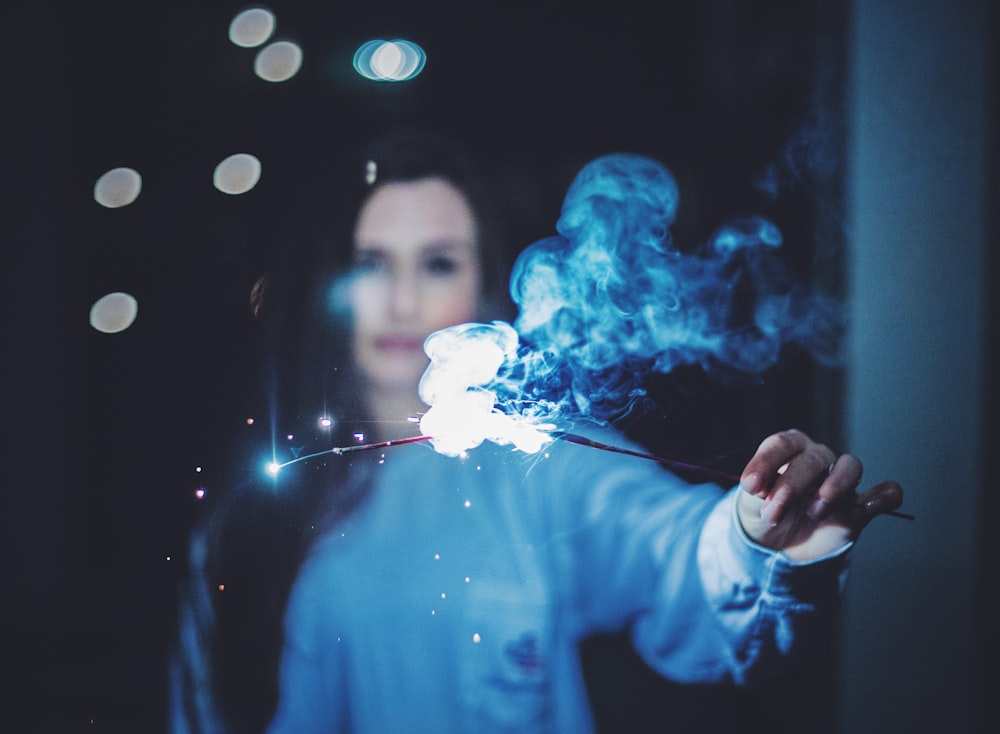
{"points": [[574, 438], [274, 467]]}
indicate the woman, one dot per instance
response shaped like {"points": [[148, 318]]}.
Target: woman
{"points": [[444, 594], [427, 251]]}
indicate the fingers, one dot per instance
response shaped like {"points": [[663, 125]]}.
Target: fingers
{"points": [[880, 499], [844, 478], [789, 467]]}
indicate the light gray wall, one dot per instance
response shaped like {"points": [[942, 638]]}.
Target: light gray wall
{"points": [[917, 261]]}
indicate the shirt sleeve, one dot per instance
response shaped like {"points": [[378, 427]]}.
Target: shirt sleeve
{"points": [[670, 562], [762, 609]]}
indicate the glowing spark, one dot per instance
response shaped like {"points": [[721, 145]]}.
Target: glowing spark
{"points": [[274, 467]]}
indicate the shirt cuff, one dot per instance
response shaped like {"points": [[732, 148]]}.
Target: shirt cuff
{"points": [[772, 570]]}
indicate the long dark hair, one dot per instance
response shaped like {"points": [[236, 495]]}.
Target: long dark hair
{"points": [[248, 545]]}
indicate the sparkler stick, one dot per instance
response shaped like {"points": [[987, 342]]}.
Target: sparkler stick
{"points": [[380, 445], [584, 441], [274, 467], [563, 436]]}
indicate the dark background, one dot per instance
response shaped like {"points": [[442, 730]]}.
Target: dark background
{"points": [[104, 434]]}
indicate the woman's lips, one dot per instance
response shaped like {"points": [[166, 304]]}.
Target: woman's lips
{"points": [[399, 343]]}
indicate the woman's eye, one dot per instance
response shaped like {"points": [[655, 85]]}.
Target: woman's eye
{"points": [[368, 262], [441, 265]]}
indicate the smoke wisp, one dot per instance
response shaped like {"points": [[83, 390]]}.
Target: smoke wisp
{"points": [[608, 300]]}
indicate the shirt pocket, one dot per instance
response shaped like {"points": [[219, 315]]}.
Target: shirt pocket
{"points": [[505, 670]]}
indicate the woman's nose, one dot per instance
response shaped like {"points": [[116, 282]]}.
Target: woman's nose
{"points": [[404, 296]]}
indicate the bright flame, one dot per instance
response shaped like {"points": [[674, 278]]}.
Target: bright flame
{"points": [[465, 359]]}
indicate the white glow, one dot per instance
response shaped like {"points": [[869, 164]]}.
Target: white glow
{"points": [[465, 360], [251, 27], [273, 467], [118, 187], [389, 61], [237, 174], [476, 638], [114, 312], [278, 61]]}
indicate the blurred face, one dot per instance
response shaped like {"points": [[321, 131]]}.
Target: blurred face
{"points": [[418, 271]]}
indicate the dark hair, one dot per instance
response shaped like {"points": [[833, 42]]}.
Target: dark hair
{"points": [[306, 328], [411, 156], [253, 540]]}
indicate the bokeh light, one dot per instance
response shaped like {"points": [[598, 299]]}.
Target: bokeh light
{"points": [[389, 61], [278, 61], [251, 27], [237, 174], [118, 187], [114, 312]]}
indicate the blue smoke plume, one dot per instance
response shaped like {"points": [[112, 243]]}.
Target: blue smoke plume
{"points": [[609, 299]]}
